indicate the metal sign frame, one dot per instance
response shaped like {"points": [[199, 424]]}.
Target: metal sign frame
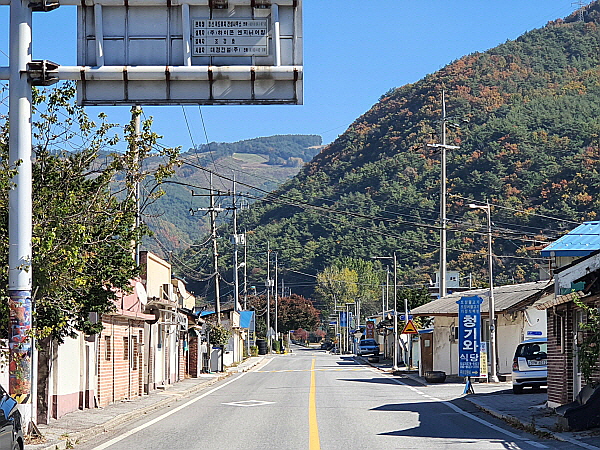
{"points": [[149, 53]]}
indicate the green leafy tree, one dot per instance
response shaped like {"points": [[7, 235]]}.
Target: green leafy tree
{"points": [[83, 212]]}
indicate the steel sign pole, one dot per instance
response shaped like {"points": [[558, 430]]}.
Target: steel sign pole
{"points": [[20, 207]]}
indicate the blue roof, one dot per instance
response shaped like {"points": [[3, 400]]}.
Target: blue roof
{"points": [[581, 241]]}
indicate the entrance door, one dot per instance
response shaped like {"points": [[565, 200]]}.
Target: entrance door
{"points": [[426, 352]]}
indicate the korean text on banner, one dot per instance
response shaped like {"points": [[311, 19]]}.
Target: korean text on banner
{"points": [[469, 333]]}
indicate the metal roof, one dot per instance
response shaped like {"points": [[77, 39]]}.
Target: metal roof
{"points": [[506, 298], [581, 241]]}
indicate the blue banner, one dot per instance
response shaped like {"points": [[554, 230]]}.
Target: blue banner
{"points": [[469, 336], [343, 319]]}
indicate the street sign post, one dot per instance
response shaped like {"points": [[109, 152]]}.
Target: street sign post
{"points": [[410, 328]]}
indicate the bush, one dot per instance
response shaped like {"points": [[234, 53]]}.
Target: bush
{"points": [[276, 346], [253, 350]]}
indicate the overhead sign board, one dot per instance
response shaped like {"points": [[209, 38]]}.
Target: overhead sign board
{"points": [[158, 52]]}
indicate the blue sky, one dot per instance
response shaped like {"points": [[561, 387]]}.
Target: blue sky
{"points": [[354, 51]]}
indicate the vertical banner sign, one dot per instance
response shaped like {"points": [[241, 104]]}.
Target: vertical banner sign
{"points": [[469, 333], [484, 360], [370, 329], [343, 319]]}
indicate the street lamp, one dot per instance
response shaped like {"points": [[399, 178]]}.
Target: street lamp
{"points": [[395, 365], [492, 304]]}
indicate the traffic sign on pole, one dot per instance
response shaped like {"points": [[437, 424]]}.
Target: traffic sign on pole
{"points": [[410, 328]]}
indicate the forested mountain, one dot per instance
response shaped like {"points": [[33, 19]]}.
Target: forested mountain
{"points": [[262, 163], [526, 115]]}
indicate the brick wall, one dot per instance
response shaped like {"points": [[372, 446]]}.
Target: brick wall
{"points": [[120, 361], [193, 356]]}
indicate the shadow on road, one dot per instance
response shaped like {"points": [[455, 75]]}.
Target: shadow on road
{"points": [[435, 420]]}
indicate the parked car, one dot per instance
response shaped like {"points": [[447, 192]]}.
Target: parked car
{"points": [[327, 345], [530, 365], [368, 346], [11, 426]]}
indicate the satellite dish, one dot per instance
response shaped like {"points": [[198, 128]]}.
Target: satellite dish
{"points": [[141, 293]]}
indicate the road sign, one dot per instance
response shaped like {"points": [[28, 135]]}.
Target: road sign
{"points": [[151, 53], [403, 317], [469, 335], [410, 328]]}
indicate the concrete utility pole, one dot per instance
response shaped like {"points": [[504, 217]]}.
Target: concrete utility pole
{"points": [[268, 286], [245, 271], [275, 293], [136, 113], [236, 239], [213, 234], [443, 251]]}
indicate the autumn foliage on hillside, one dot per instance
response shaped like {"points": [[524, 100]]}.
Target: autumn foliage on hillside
{"points": [[526, 117]]}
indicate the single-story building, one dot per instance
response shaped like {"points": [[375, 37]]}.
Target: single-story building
{"points": [[516, 319]]}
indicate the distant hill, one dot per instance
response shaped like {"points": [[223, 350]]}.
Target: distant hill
{"points": [[526, 117], [264, 163]]}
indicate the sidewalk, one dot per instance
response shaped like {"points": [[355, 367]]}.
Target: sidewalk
{"points": [[526, 411], [84, 424]]}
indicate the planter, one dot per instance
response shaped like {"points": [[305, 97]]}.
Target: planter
{"points": [[435, 376]]}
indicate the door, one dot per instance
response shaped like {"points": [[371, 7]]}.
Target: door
{"points": [[426, 352]]}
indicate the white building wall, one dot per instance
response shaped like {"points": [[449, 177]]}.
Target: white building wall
{"points": [[445, 349]]}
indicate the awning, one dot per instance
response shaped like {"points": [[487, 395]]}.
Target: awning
{"points": [[246, 319]]}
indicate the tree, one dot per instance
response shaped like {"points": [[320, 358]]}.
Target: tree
{"points": [[296, 312], [83, 211], [336, 286]]}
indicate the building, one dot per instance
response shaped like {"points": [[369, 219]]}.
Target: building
{"points": [[516, 319]]}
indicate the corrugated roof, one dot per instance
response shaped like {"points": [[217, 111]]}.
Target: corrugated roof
{"points": [[581, 241], [506, 297]]}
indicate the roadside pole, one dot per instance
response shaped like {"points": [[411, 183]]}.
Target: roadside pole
{"points": [[20, 217]]}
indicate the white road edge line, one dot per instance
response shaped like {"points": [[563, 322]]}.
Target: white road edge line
{"points": [[173, 411], [467, 414]]}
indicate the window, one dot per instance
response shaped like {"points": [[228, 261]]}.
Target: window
{"points": [[107, 348], [126, 348]]}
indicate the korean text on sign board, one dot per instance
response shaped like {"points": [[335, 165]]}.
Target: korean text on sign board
{"points": [[235, 37], [469, 333]]}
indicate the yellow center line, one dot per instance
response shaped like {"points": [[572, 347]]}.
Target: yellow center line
{"points": [[313, 426]]}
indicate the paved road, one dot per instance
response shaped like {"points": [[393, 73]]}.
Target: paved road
{"points": [[311, 400]]}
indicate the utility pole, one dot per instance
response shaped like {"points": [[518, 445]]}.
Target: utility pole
{"points": [[443, 225], [136, 112], [245, 271], [213, 234], [236, 239], [22, 384], [493, 375], [275, 292], [268, 286]]}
